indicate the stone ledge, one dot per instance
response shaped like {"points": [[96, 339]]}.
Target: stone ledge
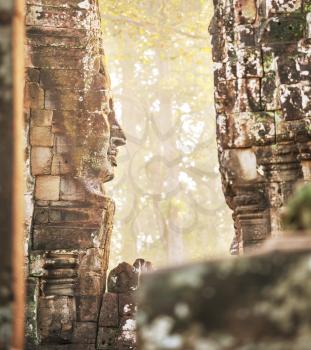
{"points": [[256, 302]]}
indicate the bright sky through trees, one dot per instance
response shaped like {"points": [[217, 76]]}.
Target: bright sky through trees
{"points": [[170, 206]]}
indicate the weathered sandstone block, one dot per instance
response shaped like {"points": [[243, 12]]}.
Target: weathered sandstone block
{"points": [[109, 316], [41, 136], [41, 160], [88, 308], [41, 117], [56, 319], [106, 338], [86, 331], [34, 95], [47, 187]]}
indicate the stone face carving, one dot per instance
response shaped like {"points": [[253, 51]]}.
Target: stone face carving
{"points": [[262, 97], [73, 141], [261, 51], [117, 137]]}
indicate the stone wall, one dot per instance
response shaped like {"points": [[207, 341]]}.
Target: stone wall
{"points": [[72, 139], [261, 51]]}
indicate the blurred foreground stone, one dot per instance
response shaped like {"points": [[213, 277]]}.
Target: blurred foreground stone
{"points": [[258, 302]]}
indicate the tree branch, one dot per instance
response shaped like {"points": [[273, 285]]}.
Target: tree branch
{"points": [[150, 26]]}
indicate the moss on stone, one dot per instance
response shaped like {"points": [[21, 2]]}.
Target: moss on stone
{"points": [[254, 303], [297, 215]]}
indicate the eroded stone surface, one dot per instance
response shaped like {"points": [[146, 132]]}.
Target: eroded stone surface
{"points": [[117, 321], [262, 65], [73, 138], [262, 90], [258, 302]]}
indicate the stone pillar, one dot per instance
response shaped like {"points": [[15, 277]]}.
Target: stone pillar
{"points": [[73, 138], [261, 51]]}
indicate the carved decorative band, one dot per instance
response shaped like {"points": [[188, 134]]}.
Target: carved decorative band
{"points": [[61, 274]]}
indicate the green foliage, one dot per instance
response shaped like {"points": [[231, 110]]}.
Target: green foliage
{"points": [[298, 211]]}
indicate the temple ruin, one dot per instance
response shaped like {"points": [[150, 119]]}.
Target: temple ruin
{"points": [[72, 144], [261, 51], [262, 55]]}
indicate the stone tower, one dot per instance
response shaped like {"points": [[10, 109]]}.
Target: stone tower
{"points": [[262, 55], [72, 144]]}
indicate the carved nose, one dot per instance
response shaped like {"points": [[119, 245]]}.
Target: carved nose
{"points": [[117, 136], [118, 141]]}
